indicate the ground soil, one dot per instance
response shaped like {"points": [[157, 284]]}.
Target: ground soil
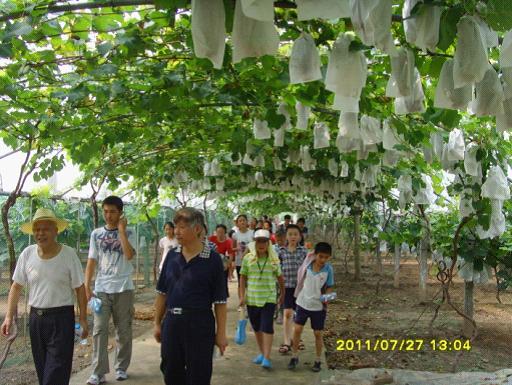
{"points": [[24, 373], [373, 309]]}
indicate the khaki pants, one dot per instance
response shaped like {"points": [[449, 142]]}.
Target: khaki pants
{"points": [[120, 306]]}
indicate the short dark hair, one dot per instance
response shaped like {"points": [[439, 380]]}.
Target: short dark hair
{"points": [[280, 233], [288, 216], [231, 232], [323, 247], [301, 220], [114, 201], [223, 226], [169, 223], [241, 216], [292, 226], [270, 224]]}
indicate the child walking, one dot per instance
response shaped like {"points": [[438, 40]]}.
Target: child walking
{"points": [[291, 256], [315, 277], [260, 270]]}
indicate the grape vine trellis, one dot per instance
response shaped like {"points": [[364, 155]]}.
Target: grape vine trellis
{"points": [[117, 87]]}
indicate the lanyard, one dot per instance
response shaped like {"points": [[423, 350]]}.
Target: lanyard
{"points": [[261, 269]]}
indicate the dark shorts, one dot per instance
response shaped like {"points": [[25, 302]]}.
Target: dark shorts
{"points": [[262, 318], [317, 317], [289, 298], [238, 268], [226, 276]]}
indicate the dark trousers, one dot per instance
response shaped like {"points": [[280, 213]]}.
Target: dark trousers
{"points": [[52, 337], [187, 348]]}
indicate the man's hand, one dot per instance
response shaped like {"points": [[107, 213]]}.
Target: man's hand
{"points": [[157, 333], [222, 342], [280, 301], [6, 326], [85, 328], [88, 293], [123, 223], [242, 302]]}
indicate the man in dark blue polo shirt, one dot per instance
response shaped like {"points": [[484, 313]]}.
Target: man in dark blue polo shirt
{"points": [[192, 279]]}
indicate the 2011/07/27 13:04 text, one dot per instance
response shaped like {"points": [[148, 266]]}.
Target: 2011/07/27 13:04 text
{"points": [[402, 344]]}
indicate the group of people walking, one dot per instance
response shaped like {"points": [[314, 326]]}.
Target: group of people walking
{"points": [[272, 264], [287, 275]]}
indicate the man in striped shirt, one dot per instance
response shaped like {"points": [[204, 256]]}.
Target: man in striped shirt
{"points": [[259, 272]]}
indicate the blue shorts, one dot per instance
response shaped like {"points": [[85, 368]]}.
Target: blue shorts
{"points": [[262, 318], [289, 298], [317, 317]]}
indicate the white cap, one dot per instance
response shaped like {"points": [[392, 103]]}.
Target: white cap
{"points": [[262, 234]]}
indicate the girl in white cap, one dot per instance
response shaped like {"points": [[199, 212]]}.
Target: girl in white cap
{"points": [[260, 270]]}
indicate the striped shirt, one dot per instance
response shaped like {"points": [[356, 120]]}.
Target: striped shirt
{"points": [[261, 276]]}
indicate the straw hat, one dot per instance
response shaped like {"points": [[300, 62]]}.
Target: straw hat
{"points": [[44, 215]]}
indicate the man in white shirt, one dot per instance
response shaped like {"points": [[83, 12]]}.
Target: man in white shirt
{"points": [[167, 243], [112, 251], [53, 274]]}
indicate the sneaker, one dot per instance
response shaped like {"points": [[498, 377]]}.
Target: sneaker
{"points": [[317, 366], [258, 359], [293, 363], [121, 375], [96, 380], [266, 364]]}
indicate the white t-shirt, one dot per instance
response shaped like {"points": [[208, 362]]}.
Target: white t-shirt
{"points": [[114, 270], [242, 240], [309, 296], [166, 244], [51, 282]]}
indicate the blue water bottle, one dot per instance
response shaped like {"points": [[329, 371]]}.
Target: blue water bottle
{"points": [[95, 305], [78, 335], [328, 297]]}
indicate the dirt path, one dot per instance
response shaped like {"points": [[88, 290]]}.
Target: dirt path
{"points": [[372, 310]]}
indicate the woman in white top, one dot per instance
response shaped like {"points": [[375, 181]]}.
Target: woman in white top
{"points": [[53, 274], [167, 243]]}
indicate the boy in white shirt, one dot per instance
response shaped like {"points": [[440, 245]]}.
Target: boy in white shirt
{"points": [[314, 278]]}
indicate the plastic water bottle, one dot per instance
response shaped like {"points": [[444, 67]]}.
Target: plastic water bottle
{"points": [[78, 335], [95, 304], [216, 353], [328, 297]]}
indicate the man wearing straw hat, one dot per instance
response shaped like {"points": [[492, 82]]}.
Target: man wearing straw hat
{"points": [[52, 271], [111, 250]]}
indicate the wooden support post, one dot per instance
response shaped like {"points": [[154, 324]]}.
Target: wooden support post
{"points": [[396, 280], [467, 328], [357, 243]]}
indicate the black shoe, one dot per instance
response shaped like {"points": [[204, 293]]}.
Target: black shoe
{"points": [[316, 367], [293, 363]]}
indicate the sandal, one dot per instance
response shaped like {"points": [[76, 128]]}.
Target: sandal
{"points": [[283, 349]]}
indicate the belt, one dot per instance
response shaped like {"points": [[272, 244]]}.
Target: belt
{"points": [[181, 310], [51, 310]]}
